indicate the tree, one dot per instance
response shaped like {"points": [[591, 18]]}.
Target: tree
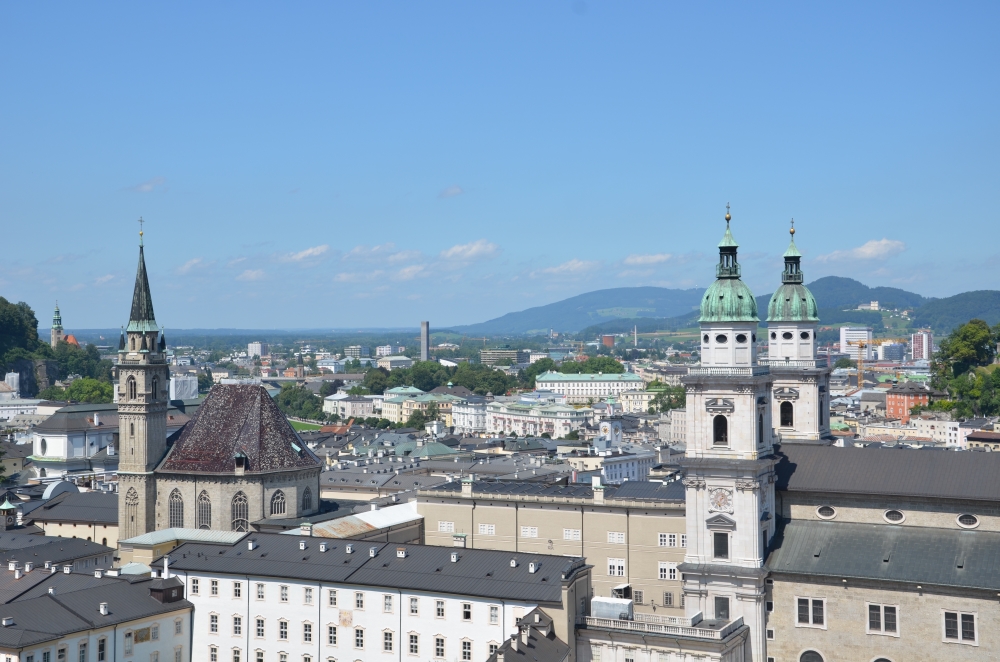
{"points": [[970, 345], [90, 390], [327, 388], [300, 402], [18, 328], [433, 413], [205, 381], [376, 380], [416, 420], [845, 363], [593, 365], [666, 398], [539, 367]]}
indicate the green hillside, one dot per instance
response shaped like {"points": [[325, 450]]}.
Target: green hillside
{"points": [[946, 314]]}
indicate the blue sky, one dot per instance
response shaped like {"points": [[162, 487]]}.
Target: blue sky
{"points": [[348, 165]]}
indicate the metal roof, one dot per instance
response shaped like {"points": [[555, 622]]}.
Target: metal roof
{"points": [[643, 490], [477, 572], [86, 507], [587, 377], [896, 471], [185, 535], [889, 552]]}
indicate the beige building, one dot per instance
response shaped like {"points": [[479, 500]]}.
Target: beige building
{"points": [[633, 535], [636, 402], [422, 403]]}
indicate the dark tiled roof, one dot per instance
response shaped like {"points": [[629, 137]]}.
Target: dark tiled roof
{"points": [[54, 549], [87, 507], [887, 552], [522, 487], [641, 490], [142, 301], [238, 419], [897, 472], [477, 572]]}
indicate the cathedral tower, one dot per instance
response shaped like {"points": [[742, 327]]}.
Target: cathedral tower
{"points": [[729, 461], [142, 410], [801, 402], [56, 332]]}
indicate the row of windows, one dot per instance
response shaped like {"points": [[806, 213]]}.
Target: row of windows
{"points": [[413, 646], [203, 513], [894, 516], [103, 654], [614, 537]]}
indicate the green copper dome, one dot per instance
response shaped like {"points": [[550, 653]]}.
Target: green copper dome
{"points": [[728, 299], [793, 302]]}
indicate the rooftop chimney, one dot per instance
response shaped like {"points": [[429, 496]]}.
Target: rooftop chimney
{"points": [[454, 557], [322, 547], [372, 551], [349, 549], [97, 573], [166, 566], [7, 621], [104, 609], [28, 566], [67, 569], [52, 590], [251, 545]]}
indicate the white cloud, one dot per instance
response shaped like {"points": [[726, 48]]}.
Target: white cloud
{"points": [[637, 260], [871, 250], [410, 272], [315, 251], [471, 251], [149, 185], [573, 266], [381, 252], [251, 274], [451, 192], [189, 265], [403, 256], [103, 279], [355, 277]]}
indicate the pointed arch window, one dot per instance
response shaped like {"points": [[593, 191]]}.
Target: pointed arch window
{"points": [[176, 509], [307, 500], [720, 430], [204, 511], [240, 512], [130, 388], [131, 342], [155, 391], [787, 414], [278, 503], [131, 510]]}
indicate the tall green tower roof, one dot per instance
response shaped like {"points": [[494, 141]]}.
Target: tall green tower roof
{"points": [[142, 319], [728, 299], [792, 302]]}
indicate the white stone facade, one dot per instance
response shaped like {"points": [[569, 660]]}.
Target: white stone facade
{"points": [[469, 417], [533, 420], [584, 388]]}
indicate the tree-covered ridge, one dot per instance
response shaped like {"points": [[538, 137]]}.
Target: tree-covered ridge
{"points": [[952, 312], [964, 368]]}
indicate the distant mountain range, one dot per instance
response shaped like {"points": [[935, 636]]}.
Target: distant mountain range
{"points": [[657, 308]]}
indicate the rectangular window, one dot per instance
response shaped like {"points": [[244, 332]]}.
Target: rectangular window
{"points": [[332, 598], [387, 604], [439, 608], [487, 529], [195, 588], [128, 645], [494, 647], [960, 627], [684, 540], [359, 638], [213, 623], [307, 632], [769, 634], [237, 625], [414, 644], [616, 567], [359, 600], [154, 656], [178, 626], [260, 591], [668, 570], [308, 595], [721, 609], [439, 647], [236, 655], [283, 593], [414, 606], [215, 587], [810, 612], [283, 630], [237, 589], [529, 531], [213, 654], [571, 534], [82, 653], [154, 633], [387, 642], [616, 537], [260, 627], [668, 599], [638, 596], [494, 615], [331, 635], [446, 527], [883, 619], [466, 611], [720, 545], [466, 650], [102, 648]]}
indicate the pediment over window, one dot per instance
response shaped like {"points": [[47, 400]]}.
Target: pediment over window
{"points": [[719, 405], [720, 521], [786, 393]]}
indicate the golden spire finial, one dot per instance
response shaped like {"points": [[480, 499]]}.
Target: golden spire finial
{"points": [[792, 231], [140, 230], [728, 217]]}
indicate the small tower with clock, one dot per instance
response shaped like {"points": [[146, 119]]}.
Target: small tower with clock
{"points": [[729, 461]]}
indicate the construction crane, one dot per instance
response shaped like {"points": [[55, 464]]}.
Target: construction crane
{"points": [[862, 344]]}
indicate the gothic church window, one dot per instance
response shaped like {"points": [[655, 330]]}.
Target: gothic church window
{"points": [[720, 430], [278, 503], [307, 500], [204, 511], [131, 510], [787, 415], [155, 392], [130, 387], [240, 512], [176, 509]]}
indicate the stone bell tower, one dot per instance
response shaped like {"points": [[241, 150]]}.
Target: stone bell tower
{"points": [[142, 410], [729, 461]]}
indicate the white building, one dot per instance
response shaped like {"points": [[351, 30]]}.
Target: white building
{"points": [[469, 415], [183, 387], [849, 334], [260, 349], [582, 388], [533, 420], [636, 402], [620, 466], [394, 362], [303, 599], [922, 343], [678, 426], [389, 350], [331, 403]]}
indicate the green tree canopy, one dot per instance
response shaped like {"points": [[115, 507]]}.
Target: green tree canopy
{"points": [[845, 363], [18, 327], [593, 365], [300, 402], [971, 345]]}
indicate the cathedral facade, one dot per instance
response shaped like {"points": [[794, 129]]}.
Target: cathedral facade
{"points": [[236, 462]]}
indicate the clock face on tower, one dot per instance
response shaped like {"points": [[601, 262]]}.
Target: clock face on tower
{"points": [[720, 500]]}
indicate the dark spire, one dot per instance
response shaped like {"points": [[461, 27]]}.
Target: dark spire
{"points": [[163, 341], [121, 341], [142, 318], [144, 347]]}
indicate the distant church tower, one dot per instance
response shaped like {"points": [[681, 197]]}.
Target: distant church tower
{"points": [[142, 410], [729, 461], [56, 332], [801, 403]]}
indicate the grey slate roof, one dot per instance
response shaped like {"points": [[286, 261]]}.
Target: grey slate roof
{"points": [[941, 557], [84, 507], [142, 301], [897, 472], [642, 490], [478, 572], [632, 490], [49, 548]]}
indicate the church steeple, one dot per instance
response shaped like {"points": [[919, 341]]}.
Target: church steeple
{"points": [[142, 319], [56, 332], [793, 270]]}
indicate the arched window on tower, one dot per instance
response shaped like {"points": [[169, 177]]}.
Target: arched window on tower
{"points": [[204, 511], [176, 509], [787, 415], [155, 391], [131, 510], [130, 388], [278, 503], [720, 431], [240, 512], [307, 500], [131, 343]]}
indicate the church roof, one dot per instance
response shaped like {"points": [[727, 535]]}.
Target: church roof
{"points": [[142, 318], [238, 419]]}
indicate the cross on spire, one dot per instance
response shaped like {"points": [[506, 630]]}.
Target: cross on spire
{"points": [[792, 231], [140, 230]]}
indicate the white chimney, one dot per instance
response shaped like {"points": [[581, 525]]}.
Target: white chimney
{"points": [[513, 563], [7, 621], [454, 557], [349, 549], [532, 567], [104, 609], [12, 565], [97, 573], [28, 566], [302, 544], [513, 642], [166, 566], [322, 547], [97, 419], [371, 551], [401, 552], [67, 569], [52, 590], [17, 574]]}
